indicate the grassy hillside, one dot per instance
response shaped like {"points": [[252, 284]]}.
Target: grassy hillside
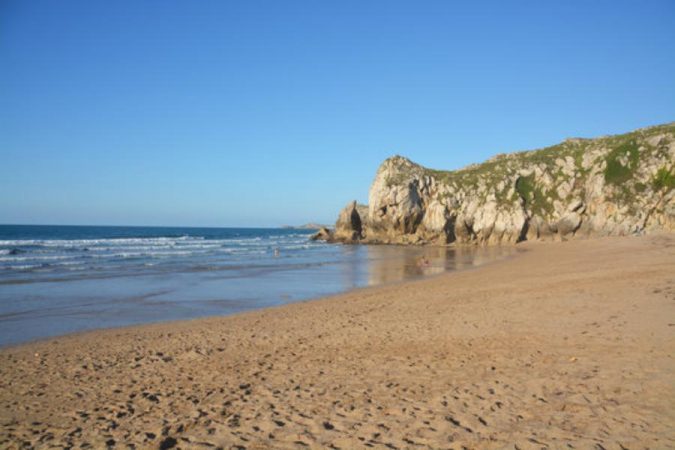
{"points": [[618, 157]]}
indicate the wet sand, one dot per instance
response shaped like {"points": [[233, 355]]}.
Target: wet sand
{"points": [[566, 345]]}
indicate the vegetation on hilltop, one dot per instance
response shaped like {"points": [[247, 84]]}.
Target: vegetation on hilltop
{"points": [[509, 176]]}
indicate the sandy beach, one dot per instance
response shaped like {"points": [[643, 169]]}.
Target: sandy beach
{"points": [[565, 345]]}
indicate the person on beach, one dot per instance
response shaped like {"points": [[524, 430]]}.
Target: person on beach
{"points": [[423, 262]]}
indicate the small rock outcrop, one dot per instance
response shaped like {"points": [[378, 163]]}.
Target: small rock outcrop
{"points": [[614, 185], [349, 227], [324, 234]]}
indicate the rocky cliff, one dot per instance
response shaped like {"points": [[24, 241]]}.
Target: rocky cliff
{"points": [[616, 185]]}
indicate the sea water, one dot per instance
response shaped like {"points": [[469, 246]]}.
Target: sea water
{"points": [[62, 279]]}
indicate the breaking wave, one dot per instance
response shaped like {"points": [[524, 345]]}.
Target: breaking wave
{"points": [[182, 252]]}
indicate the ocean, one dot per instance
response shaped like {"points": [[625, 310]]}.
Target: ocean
{"points": [[62, 279]]}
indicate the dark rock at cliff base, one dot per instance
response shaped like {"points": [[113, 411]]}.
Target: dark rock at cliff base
{"points": [[324, 234], [349, 226]]}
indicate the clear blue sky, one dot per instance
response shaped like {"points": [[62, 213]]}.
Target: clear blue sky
{"points": [[250, 113]]}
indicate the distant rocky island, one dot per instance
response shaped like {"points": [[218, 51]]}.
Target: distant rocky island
{"points": [[307, 226], [614, 185]]}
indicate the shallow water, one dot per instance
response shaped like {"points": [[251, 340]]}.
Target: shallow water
{"points": [[56, 280]]}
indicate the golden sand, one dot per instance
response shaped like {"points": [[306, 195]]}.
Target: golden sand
{"points": [[565, 344]]}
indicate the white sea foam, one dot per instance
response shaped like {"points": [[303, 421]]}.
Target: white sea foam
{"points": [[148, 254], [113, 254], [297, 247], [22, 267], [155, 241], [34, 258], [93, 242]]}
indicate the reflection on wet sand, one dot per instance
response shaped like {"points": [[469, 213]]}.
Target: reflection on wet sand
{"points": [[386, 264]]}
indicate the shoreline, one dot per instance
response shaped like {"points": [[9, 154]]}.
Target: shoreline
{"points": [[522, 351], [480, 258], [352, 291]]}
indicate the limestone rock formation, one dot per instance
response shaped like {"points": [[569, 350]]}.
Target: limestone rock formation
{"points": [[614, 185], [348, 227]]}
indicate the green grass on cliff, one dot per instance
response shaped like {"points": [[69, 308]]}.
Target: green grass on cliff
{"points": [[621, 165], [534, 197], [503, 171], [622, 162], [664, 179]]}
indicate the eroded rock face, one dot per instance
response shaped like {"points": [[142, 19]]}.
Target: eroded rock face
{"points": [[395, 205], [614, 185], [349, 227], [437, 223]]}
